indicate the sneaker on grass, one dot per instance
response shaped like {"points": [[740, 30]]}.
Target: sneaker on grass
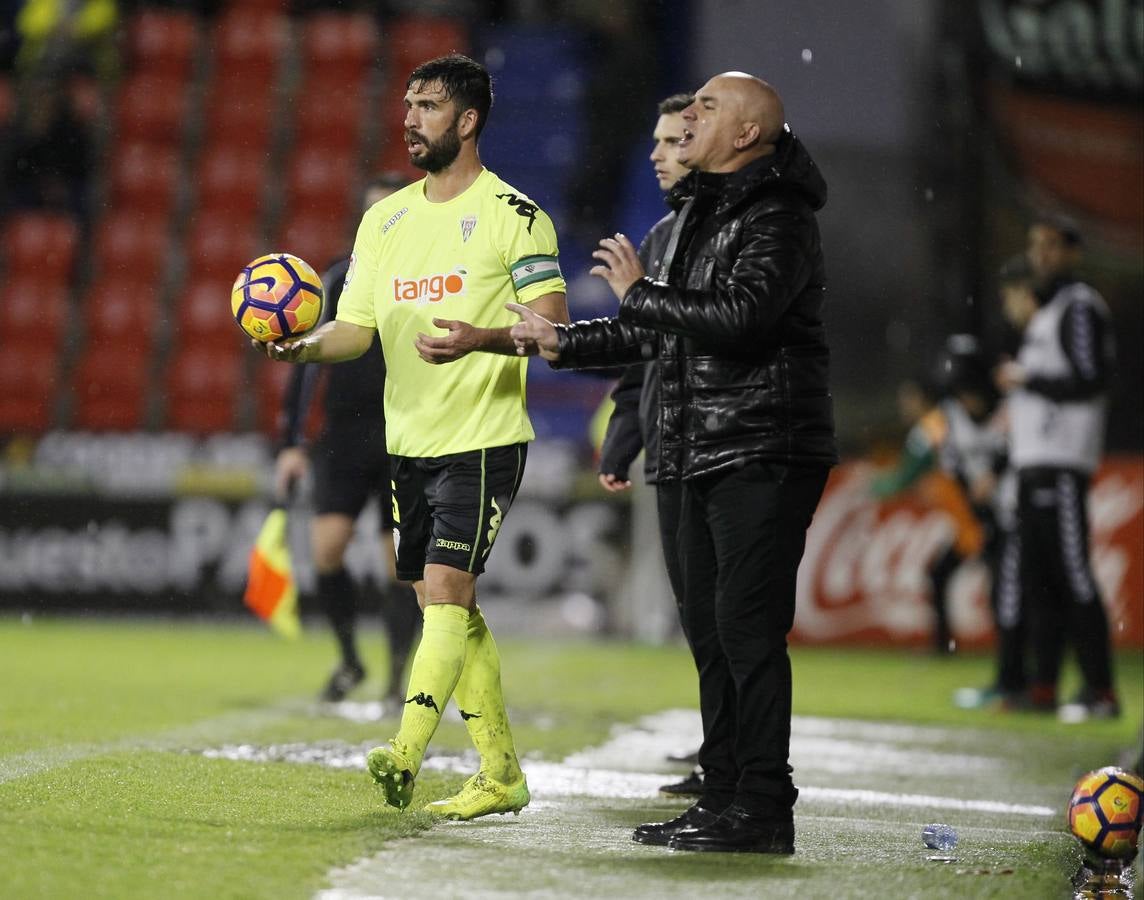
{"points": [[391, 770], [482, 796]]}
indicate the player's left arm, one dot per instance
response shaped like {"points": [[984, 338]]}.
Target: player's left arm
{"points": [[464, 338]]}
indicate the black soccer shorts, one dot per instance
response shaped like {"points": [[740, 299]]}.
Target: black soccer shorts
{"points": [[350, 465], [449, 509]]}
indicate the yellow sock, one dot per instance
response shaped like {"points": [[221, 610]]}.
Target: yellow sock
{"points": [[478, 696], [436, 667]]}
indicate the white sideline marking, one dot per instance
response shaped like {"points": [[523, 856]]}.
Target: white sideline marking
{"points": [[616, 770]]}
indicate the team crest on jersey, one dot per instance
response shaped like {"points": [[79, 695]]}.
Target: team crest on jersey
{"points": [[350, 271], [430, 288], [394, 219], [467, 225]]}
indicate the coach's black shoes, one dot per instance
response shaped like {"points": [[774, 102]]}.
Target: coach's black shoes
{"points": [[344, 679], [738, 831], [661, 833]]}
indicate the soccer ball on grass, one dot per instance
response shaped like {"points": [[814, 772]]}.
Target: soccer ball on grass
{"points": [[1105, 812], [277, 296]]}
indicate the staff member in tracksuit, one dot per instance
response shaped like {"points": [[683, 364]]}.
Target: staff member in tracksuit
{"points": [[1058, 397]]}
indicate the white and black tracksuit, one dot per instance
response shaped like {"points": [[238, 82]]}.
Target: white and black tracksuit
{"points": [[1058, 422]]}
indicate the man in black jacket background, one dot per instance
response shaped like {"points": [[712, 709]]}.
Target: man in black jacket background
{"points": [[633, 425], [746, 435]]}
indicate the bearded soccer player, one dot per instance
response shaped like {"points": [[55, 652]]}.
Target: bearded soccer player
{"points": [[444, 255]]}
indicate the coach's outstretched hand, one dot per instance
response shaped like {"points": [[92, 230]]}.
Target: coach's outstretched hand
{"points": [[534, 334]]}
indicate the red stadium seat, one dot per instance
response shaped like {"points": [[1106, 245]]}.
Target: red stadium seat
{"points": [[163, 42], [110, 389], [232, 179], [203, 315], [319, 182], [411, 40], [344, 45], [250, 42], [240, 114], [132, 246], [144, 176], [41, 244], [152, 107], [33, 312], [219, 246], [329, 115], [316, 239], [202, 385], [121, 316], [28, 377]]}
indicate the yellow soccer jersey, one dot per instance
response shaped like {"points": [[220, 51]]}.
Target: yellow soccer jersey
{"points": [[464, 259]]}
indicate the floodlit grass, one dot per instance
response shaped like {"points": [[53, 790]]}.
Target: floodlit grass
{"points": [[103, 795]]}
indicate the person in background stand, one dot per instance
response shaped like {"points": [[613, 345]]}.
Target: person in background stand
{"points": [[1058, 392], [350, 465], [634, 425], [954, 453]]}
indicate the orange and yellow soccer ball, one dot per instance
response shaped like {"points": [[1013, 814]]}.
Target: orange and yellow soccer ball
{"points": [[277, 296], [1105, 812]]}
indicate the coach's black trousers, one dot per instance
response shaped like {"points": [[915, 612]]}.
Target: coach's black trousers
{"points": [[1058, 588], [734, 541]]}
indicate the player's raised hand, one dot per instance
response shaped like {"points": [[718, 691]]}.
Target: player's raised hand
{"points": [[533, 333], [620, 264], [461, 340]]}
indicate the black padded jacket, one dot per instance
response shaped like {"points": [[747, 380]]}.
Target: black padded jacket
{"points": [[742, 360]]}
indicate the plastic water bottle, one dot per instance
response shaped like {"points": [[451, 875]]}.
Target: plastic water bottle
{"points": [[939, 837]]}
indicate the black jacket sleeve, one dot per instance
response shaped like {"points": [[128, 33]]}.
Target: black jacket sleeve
{"points": [[623, 439], [598, 343], [1083, 336], [772, 266]]}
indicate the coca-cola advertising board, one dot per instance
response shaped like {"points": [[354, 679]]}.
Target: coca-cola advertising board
{"points": [[863, 576]]}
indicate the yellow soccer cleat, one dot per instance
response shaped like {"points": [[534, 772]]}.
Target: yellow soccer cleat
{"points": [[482, 796], [392, 772]]}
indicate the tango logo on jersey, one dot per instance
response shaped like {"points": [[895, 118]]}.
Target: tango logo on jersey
{"points": [[430, 288]]}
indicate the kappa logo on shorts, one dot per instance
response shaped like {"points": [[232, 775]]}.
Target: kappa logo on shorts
{"points": [[451, 545], [494, 526]]}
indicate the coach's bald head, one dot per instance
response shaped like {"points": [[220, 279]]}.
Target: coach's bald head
{"points": [[735, 119]]}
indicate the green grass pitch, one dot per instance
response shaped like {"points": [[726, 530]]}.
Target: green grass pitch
{"points": [[105, 791]]}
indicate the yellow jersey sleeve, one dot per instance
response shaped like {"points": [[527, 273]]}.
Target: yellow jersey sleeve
{"points": [[356, 302], [530, 250]]}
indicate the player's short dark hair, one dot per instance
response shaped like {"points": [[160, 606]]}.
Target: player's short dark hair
{"points": [[464, 81], [1015, 271], [1063, 225], [676, 103]]}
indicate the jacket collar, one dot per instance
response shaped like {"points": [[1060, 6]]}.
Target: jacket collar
{"points": [[789, 166]]}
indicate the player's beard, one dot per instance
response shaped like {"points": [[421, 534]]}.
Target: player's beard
{"points": [[439, 154]]}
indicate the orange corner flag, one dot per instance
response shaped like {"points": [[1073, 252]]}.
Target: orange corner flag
{"points": [[270, 590]]}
